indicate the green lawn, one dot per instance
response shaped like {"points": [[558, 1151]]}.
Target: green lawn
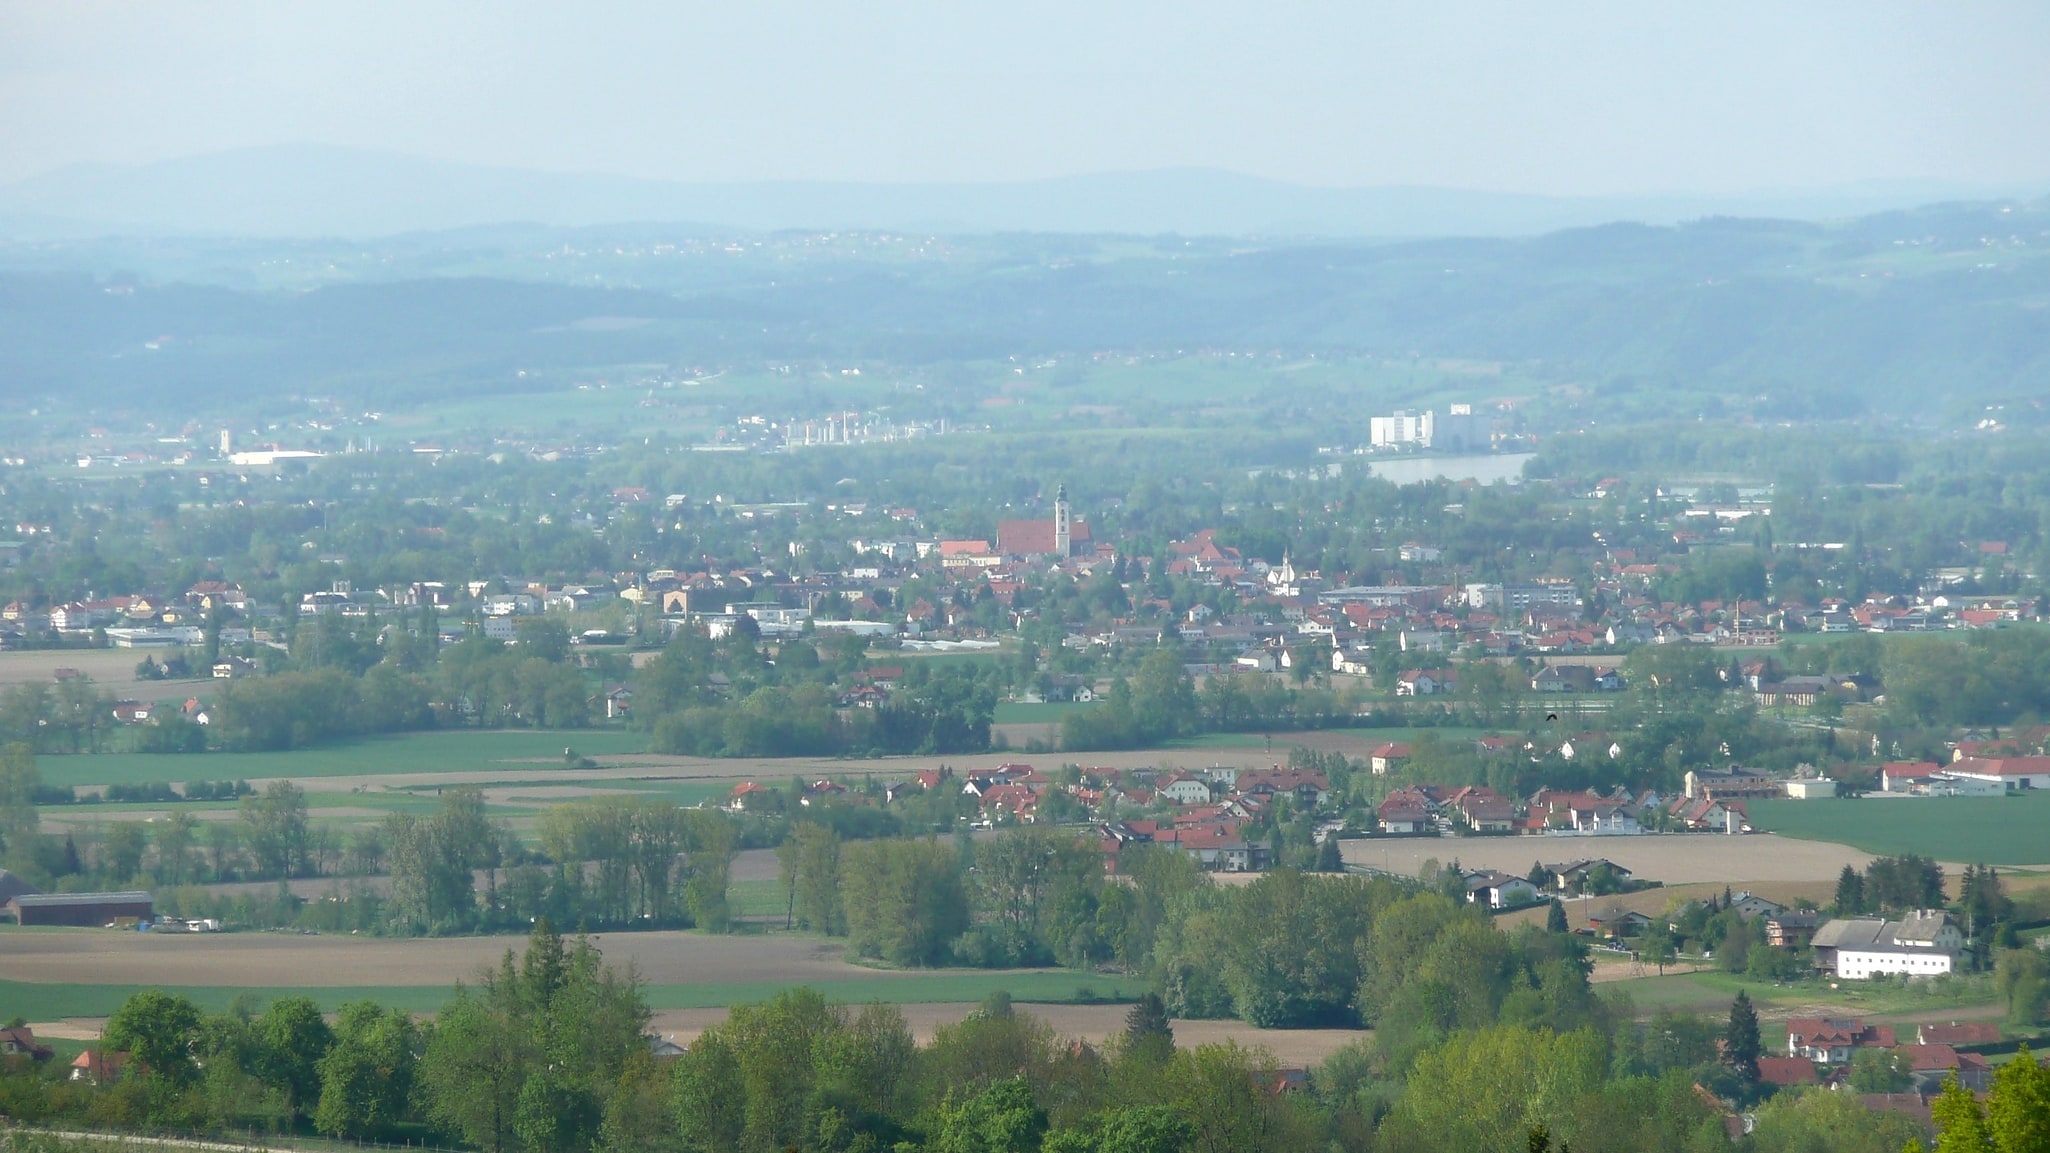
{"points": [[46, 1002], [757, 899], [1711, 992], [1018, 713], [1224, 741], [2012, 830], [449, 752]]}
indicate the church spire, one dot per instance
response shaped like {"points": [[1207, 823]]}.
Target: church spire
{"points": [[1062, 545]]}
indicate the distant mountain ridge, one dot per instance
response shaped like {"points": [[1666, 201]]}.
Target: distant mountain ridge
{"points": [[1900, 313], [317, 190]]}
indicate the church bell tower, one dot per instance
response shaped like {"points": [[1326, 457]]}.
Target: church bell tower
{"points": [[1061, 544]]}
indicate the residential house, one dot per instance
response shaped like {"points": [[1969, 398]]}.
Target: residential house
{"points": [[1710, 816], [18, 1046], [1750, 906], [1958, 1033], [1217, 846], [1483, 810], [1801, 692], [99, 1066], [1787, 1071], [1583, 812], [1184, 788], [1618, 923], [617, 701], [1591, 873], [1791, 930], [1499, 890], [1015, 802], [1404, 812], [1385, 759], [1425, 683], [1355, 661], [1306, 789], [746, 795], [1832, 1040], [1932, 1065], [1563, 679]]}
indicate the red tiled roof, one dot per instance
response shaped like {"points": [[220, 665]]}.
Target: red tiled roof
{"points": [[1036, 537], [1787, 1071], [2004, 766], [1968, 1033]]}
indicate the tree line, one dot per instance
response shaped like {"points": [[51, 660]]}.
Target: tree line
{"points": [[549, 1052]]}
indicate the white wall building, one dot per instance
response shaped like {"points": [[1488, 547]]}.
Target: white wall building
{"points": [[1924, 943], [1859, 964]]}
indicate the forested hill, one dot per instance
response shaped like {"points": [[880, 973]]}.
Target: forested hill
{"points": [[1885, 313]]}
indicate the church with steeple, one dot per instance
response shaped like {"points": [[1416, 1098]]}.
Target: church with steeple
{"points": [[1059, 538]]}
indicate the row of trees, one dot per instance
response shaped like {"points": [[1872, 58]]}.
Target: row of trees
{"points": [[548, 1053], [611, 862], [703, 697]]}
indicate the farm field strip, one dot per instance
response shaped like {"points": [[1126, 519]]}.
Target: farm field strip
{"points": [[39, 1002], [1710, 991], [2011, 830], [504, 757], [408, 753]]}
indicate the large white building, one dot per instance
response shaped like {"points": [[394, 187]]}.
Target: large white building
{"points": [[2012, 774], [1517, 597], [1459, 427], [1925, 943]]}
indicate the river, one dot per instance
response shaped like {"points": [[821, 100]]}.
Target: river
{"points": [[1487, 468]]}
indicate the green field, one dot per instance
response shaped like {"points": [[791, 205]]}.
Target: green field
{"points": [[48, 1002], [1221, 741], [757, 899], [449, 752], [1018, 713], [1711, 992], [2012, 830]]}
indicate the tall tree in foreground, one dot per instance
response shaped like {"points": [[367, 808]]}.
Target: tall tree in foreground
{"points": [[1148, 1033], [1740, 1040], [2018, 1110], [529, 1057], [1850, 892], [366, 1078], [159, 1030], [1960, 1121], [293, 1037]]}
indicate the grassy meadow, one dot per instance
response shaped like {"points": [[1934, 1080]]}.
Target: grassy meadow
{"points": [[502, 750], [40, 1002], [2011, 830]]}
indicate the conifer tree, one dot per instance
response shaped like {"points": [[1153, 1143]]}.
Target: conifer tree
{"points": [[1740, 1040]]}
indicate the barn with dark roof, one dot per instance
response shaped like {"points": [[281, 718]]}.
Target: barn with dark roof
{"points": [[78, 908]]}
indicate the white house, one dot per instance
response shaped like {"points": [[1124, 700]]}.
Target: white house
{"points": [[1499, 890], [1922, 944], [1184, 789]]}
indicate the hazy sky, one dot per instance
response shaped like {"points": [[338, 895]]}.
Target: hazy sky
{"points": [[1569, 98]]}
